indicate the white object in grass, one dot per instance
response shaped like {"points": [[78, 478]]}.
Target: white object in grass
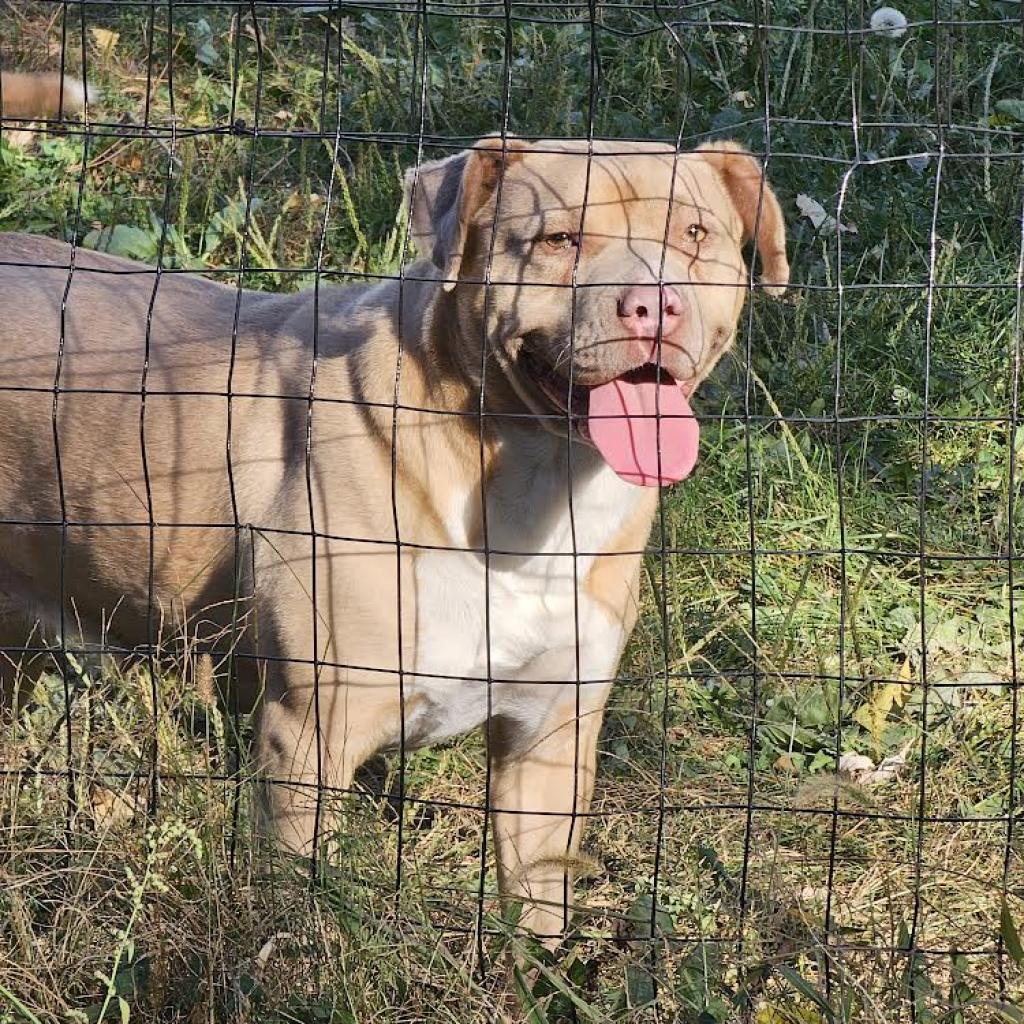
{"points": [[889, 22], [821, 220], [861, 769]]}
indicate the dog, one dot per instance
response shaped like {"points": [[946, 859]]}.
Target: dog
{"points": [[424, 500], [32, 96]]}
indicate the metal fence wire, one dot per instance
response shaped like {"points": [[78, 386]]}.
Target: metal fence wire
{"points": [[807, 796]]}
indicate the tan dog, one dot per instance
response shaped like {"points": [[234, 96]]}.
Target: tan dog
{"points": [[26, 96], [29, 95], [476, 559]]}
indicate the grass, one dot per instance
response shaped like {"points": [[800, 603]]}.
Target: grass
{"points": [[832, 900]]}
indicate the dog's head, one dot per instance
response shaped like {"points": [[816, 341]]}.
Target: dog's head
{"points": [[606, 280]]}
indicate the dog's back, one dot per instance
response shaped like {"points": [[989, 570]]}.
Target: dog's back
{"points": [[27, 96], [111, 338], [103, 333]]}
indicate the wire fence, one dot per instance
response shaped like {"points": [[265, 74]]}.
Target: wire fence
{"points": [[379, 521]]}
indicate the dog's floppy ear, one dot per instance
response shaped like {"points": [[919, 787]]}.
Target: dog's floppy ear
{"points": [[442, 197], [750, 193]]}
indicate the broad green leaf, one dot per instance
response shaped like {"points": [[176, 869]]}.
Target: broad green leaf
{"points": [[1011, 108], [639, 986], [121, 240], [1010, 935]]}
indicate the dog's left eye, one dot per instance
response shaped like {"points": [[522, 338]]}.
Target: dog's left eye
{"points": [[560, 240], [696, 232]]}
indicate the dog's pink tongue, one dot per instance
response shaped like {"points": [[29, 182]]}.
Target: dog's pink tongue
{"points": [[630, 422]]}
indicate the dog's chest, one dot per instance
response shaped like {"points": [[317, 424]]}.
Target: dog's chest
{"points": [[517, 609]]}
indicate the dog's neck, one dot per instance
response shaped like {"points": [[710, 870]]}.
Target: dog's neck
{"points": [[532, 475], [490, 410]]}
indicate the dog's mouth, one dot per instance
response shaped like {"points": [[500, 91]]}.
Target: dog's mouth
{"points": [[640, 421], [569, 400]]}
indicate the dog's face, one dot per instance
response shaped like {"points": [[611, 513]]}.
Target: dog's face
{"points": [[607, 282]]}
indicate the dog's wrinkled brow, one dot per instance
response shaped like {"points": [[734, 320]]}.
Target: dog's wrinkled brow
{"points": [[569, 217]]}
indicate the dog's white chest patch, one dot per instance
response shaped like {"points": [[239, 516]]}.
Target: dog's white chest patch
{"points": [[513, 618]]}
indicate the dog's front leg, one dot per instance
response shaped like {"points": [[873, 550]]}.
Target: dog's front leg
{"points": [[541, 784], [309, 746]]}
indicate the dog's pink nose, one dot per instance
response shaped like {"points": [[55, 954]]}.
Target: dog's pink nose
{"points": [[639, 309]]}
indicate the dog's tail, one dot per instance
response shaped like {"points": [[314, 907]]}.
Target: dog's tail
{"points": [[32, 95]]}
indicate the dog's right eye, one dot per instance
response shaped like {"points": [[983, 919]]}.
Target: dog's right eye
{"points": [[559, 240]]}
